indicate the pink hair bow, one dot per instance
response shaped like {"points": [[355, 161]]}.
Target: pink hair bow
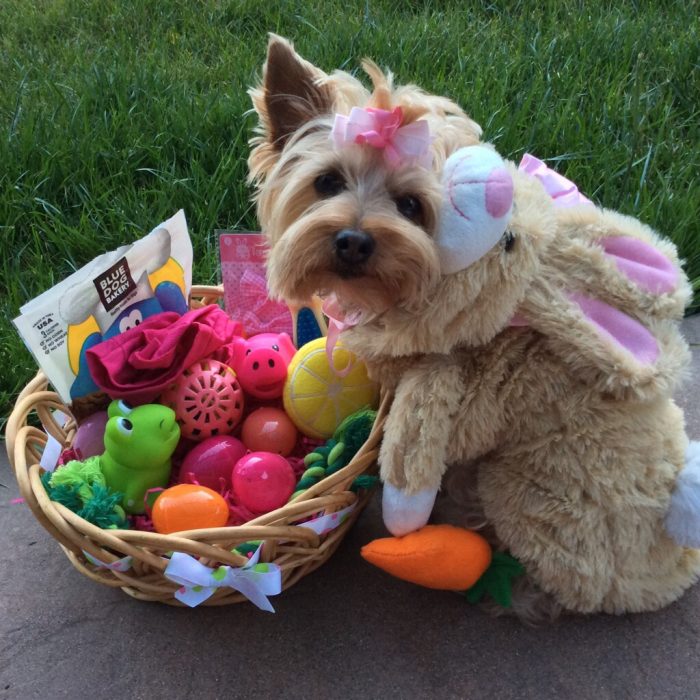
{"points": [[409, 144], [562, 191]]}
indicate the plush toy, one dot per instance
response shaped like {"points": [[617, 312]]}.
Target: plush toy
{"points": [[318, 397], [529, 337], [436, 556]]}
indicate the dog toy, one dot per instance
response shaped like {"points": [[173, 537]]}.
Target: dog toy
{"points": [[262, 481], [81, 487], [437, 556], [338, 452], [188, 507], [207, 399], [210, 462], [308, 322], [269, 429], [260, 362], [138, 445], [316, 398]]}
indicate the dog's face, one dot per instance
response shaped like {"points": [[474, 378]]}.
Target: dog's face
{"points": [[347, 222]]}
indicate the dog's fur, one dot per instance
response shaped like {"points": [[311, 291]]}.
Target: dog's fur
{"points": [[573, 446]]}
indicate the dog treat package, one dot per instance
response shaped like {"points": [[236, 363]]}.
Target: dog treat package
{"points": [[114, 292]]}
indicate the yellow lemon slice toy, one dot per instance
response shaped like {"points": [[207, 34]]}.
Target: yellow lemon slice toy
{"points": [[316, 398]]}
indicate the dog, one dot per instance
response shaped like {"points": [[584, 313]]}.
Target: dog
{"points": [[530, 344]]}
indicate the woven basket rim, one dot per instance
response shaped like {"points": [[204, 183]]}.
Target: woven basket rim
{"points": [[296, 550]]}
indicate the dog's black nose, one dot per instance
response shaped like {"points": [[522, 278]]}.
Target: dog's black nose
{"points": [[353, 247]]}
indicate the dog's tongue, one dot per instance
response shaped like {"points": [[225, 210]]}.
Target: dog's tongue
{"points": [[338, 321]]}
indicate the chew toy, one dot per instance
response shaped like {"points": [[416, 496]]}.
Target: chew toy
{"points": [[443, 557], [207, 399], [138, 445], [316, 398]]}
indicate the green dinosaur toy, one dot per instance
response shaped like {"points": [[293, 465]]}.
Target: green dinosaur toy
{"points": [[138, 445]]}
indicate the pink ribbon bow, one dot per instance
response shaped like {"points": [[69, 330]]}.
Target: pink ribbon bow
{"points": [[409, 144], [259, 313], [562, 191]]}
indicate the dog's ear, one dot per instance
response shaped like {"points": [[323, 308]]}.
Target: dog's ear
{"points": [[291, 93]]}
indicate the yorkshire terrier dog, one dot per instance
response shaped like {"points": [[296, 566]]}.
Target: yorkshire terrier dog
{"points": [[529, 338]]}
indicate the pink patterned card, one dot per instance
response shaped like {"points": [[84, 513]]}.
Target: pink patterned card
{"points": [[245, 289]]}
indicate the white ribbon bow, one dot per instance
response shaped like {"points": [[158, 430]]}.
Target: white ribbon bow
{"points": [[255, 581]]}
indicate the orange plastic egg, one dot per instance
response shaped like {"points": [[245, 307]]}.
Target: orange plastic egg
{"points": [[188, 507]]}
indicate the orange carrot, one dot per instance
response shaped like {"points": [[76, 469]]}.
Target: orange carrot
{"points": [[436, 556]]}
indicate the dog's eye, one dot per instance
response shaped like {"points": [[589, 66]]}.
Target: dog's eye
{"points": [[329, 184], [409, 206]]}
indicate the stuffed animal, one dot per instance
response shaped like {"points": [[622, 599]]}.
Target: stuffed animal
{"points": [[530, 338]]}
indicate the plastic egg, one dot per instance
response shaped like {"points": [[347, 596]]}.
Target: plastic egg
{"points": [[269, 430], [212, 460], [263, 481], [188, 507], [89, 437]]}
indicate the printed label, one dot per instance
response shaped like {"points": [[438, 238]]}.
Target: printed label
{"points": [[115, 284]]}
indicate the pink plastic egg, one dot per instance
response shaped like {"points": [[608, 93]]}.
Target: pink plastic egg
{"points": [[89, 437], [263, 481], [269, 429], [211, 461]]}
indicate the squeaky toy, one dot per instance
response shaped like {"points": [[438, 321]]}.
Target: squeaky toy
{"points": [[138, 445]]}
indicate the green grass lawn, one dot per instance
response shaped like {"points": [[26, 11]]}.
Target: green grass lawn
{"points": [[115, 113]]}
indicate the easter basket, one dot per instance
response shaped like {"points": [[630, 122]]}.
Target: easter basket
{"points": [[293, 540]]}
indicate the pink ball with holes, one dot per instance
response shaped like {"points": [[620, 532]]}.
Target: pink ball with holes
{"points": [[207, 400]]}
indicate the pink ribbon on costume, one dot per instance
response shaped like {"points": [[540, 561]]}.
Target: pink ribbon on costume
{"points": [[338, 321], [562, 191], [259, 313], [408, 144]]}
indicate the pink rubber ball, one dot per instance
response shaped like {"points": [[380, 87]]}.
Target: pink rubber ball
{"points": [[262, 481]]}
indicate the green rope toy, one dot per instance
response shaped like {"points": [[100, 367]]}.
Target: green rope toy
{"points": [[337, 453], [81, 487]]}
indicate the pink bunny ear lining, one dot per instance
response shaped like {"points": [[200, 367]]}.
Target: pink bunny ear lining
{"points": [[641, 263], [618, 328]]}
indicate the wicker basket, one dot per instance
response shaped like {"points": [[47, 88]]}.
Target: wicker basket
{"points": [[296, 550]]}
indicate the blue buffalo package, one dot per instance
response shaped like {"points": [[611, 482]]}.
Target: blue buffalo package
{"points": [[112, 293]]}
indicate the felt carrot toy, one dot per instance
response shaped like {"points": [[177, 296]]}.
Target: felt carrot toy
{"points": [[436, 556], [449, 558]]}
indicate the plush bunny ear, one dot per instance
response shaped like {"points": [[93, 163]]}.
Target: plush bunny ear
{"points": [[609, 294], [477, 205], [610, 303]]}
